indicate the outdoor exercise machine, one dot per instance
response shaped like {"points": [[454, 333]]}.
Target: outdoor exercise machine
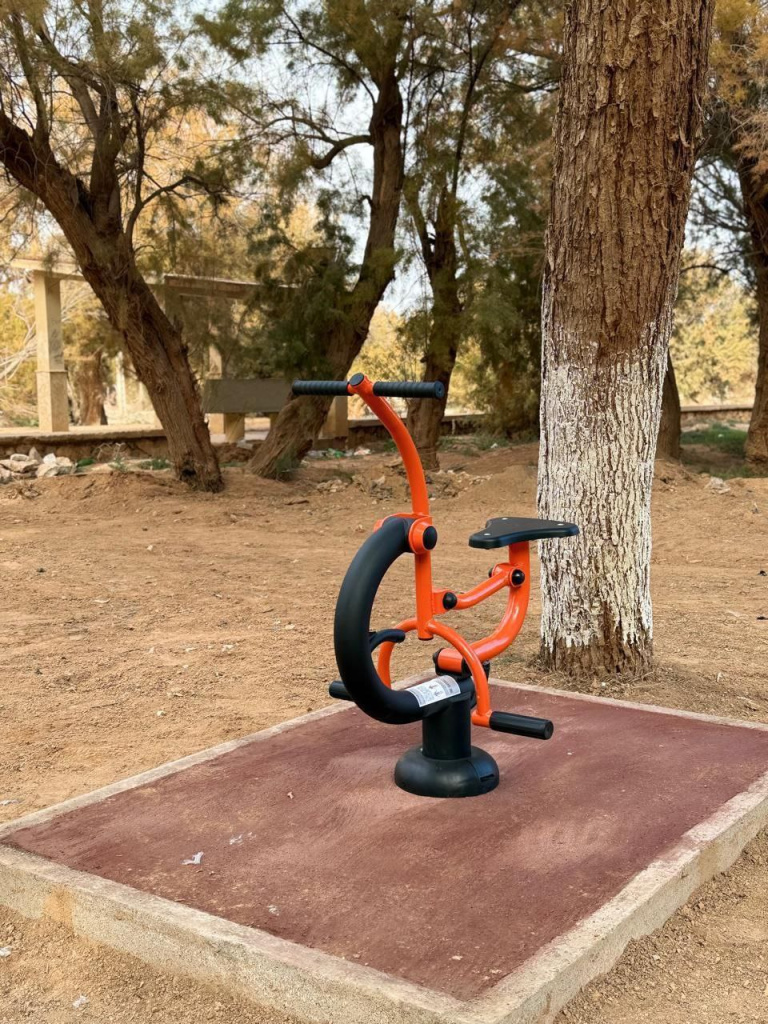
{"points": [[445, 764]]}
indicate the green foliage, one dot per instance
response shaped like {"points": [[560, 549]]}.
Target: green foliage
{"points": [[505, 317], [715, 339], [720, 436], [17, 369]]}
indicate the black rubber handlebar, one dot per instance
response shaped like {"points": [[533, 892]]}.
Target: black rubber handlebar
{"points": [[409, 389], [319, 387], [521, 725], [383, 388]]}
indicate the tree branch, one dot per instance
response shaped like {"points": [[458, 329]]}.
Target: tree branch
{"points": [[42, 127], [321, 162]]}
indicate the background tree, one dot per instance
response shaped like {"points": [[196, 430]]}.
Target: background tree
{"points": [[731, 200], [344, 62], [714, 342], [741, 59], [87, 86], [628, 118], [479, 96], [452, 75], [505, 315]]}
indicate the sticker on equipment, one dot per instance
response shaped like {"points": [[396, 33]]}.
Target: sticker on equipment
{"points": [[434, 690]]}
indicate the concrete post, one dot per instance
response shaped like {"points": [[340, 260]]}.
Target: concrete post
{"points": [[52, 407], [231, 424], [120, 388], [337, 423]]}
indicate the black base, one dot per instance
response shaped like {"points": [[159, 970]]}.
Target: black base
{"points": [[429, 776], [446, 764]]}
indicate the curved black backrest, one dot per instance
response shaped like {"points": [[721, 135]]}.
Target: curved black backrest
{"points": [[353, 620]]}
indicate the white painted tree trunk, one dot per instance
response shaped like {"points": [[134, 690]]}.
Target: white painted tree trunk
{"points": [[598, 439], [629, 113]]}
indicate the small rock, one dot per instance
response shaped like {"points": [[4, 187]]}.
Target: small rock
{"points": [[80, 1002], [21, 464], [718, 485], [5, 951], [332, 486], [195, 859], [46, 469]]}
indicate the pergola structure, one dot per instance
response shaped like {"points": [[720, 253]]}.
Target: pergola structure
{"points": [[226, 401]]}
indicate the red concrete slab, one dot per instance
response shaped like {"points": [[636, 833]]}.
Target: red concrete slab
{"points": [[305, 836]]}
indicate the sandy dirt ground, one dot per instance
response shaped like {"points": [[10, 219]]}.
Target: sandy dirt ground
{"points": [[141, 622]]}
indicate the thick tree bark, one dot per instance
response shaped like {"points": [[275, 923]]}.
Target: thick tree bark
{"points": [[159, 356], [755, 198], [425, 418], [757, 436], [301, 419], [668, 443], [92, 224], [628, 117]]}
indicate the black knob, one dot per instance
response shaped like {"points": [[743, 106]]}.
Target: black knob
{"points": [[429, 538], [449, 600], [518, 577], [356, 379]]}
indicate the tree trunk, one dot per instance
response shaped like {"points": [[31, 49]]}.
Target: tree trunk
{"points": [[755, 198], [757, 436], [628, 117], [90, 388], [91, 221], [301, 419], [159, 356], [425, 418], [668, 443]]}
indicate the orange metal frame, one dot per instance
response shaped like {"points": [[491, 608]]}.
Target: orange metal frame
{"points": [[429, 600]]}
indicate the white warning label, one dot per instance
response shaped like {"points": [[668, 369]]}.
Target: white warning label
{"points": [[434, 690]]}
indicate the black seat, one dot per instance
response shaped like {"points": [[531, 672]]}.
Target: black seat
{"points": [[498, 533]]}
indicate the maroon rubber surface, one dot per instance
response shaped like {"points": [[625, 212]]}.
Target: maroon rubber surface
{"points": [[306, 836]]}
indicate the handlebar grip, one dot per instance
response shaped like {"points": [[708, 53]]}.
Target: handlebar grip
{"points": [[409, 389], [319, 387], [521, 725], [338, 690]]}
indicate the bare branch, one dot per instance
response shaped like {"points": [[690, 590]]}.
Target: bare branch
{"points": [[42, 128], [319, 163]]}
